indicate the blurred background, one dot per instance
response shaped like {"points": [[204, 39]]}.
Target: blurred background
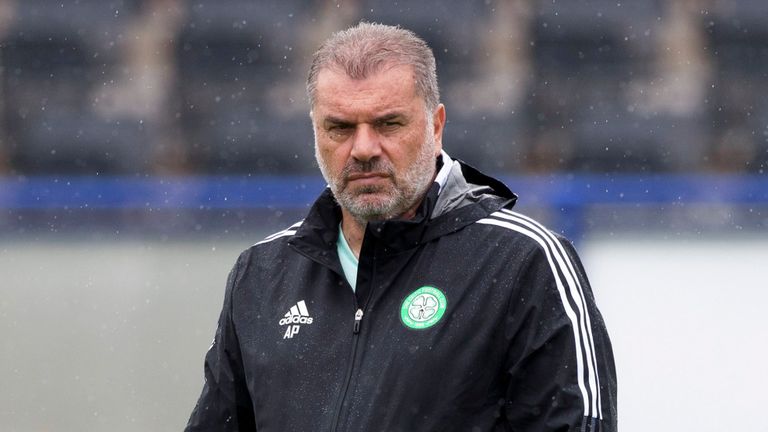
{"points": [[145, 143]]}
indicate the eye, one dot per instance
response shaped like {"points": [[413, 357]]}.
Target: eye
{"points": [[390, 125], [339, 130]]}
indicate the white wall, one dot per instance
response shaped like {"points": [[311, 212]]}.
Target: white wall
{"points": [[106, 336], [689, 328], [111, 336]]}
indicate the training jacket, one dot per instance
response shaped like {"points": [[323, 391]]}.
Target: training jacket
{"points": [[469, 317]]}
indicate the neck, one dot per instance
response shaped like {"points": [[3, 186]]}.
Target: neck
{"points": [[353, 231]]}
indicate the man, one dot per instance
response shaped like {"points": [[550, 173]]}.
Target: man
{"points": [[411, 298]]}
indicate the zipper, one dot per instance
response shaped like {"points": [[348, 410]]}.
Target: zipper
{"points": [[355, 335], [358, 320], [343, 394]]}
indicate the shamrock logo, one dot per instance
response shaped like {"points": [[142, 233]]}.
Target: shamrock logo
{"points": [[423, 307]]}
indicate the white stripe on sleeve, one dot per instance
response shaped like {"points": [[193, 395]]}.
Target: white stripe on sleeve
{"points": [[560, 263]]}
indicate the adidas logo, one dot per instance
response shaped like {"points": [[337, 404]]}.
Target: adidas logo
{"points": [[297, 315]]}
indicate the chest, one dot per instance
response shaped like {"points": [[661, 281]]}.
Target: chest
{"points": [[410, 311]]}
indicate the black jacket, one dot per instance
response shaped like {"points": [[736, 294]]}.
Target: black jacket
{"points": [[467, 318]]}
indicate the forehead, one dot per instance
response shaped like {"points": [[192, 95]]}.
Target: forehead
{"points": [[389, 89]]}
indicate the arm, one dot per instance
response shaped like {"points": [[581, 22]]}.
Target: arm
{"points": [[225, 404], [560, 364]]}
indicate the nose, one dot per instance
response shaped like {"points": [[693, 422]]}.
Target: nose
{"points": [[366, 144]]}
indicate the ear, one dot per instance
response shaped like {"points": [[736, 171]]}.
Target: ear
{"points": [[438, 120]]}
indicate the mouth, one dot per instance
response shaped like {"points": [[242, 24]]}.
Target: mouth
{"points": [[367, 181], [366, 176]]}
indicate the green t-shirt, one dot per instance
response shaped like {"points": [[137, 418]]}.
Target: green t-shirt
{"points": [[348, 260]]}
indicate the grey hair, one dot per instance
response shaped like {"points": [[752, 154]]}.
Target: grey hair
{"points": [[367, 47]]}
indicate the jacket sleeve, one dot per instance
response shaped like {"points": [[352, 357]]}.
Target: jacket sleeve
{"points": [[225, 403], [560, 367]]}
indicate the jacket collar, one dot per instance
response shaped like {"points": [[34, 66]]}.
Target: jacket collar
{"points": [[459, 196]]}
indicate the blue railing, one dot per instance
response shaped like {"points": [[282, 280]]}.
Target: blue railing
{"points": [[568, 195], [296, 192], [50, 193]]}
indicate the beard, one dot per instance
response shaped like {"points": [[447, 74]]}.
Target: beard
{"points": [[387, 201]]}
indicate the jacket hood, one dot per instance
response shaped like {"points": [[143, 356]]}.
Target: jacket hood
{"points": [[459, 196], [461, 185]]}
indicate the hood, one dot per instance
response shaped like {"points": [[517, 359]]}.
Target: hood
{"points": [[460, 196], [461, 185]]}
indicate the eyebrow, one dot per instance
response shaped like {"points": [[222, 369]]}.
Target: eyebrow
{"points": [[336, 121], [388, 117], [385, 118]]}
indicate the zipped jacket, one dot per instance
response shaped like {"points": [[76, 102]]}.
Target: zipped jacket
{"points": [[469, 317]]}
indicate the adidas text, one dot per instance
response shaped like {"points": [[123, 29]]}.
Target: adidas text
{"points": [[294, 318]]}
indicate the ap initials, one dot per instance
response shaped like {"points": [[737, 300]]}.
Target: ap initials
{"points": [[291, 331]]}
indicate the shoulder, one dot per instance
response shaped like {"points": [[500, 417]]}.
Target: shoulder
{"points": [[546, 252], [272, 239], [270, 247], [263, 257], [511, 225]]}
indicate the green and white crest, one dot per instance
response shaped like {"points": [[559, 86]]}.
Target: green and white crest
{"points": [[423, 308]]}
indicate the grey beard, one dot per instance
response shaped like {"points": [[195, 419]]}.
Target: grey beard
{"points": [[407, 190]]}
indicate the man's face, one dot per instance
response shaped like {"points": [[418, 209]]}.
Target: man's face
{"points": [[374, 142]]}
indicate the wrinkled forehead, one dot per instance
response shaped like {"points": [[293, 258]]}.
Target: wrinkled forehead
{"points": [[388, 88]]}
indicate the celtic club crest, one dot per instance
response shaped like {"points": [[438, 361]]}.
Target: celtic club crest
{"points": [[423, 308]]}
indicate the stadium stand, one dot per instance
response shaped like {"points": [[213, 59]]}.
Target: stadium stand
{"points": [[738, 36], [229, 59], [53, 58], [588, 55], [541, 86]]}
